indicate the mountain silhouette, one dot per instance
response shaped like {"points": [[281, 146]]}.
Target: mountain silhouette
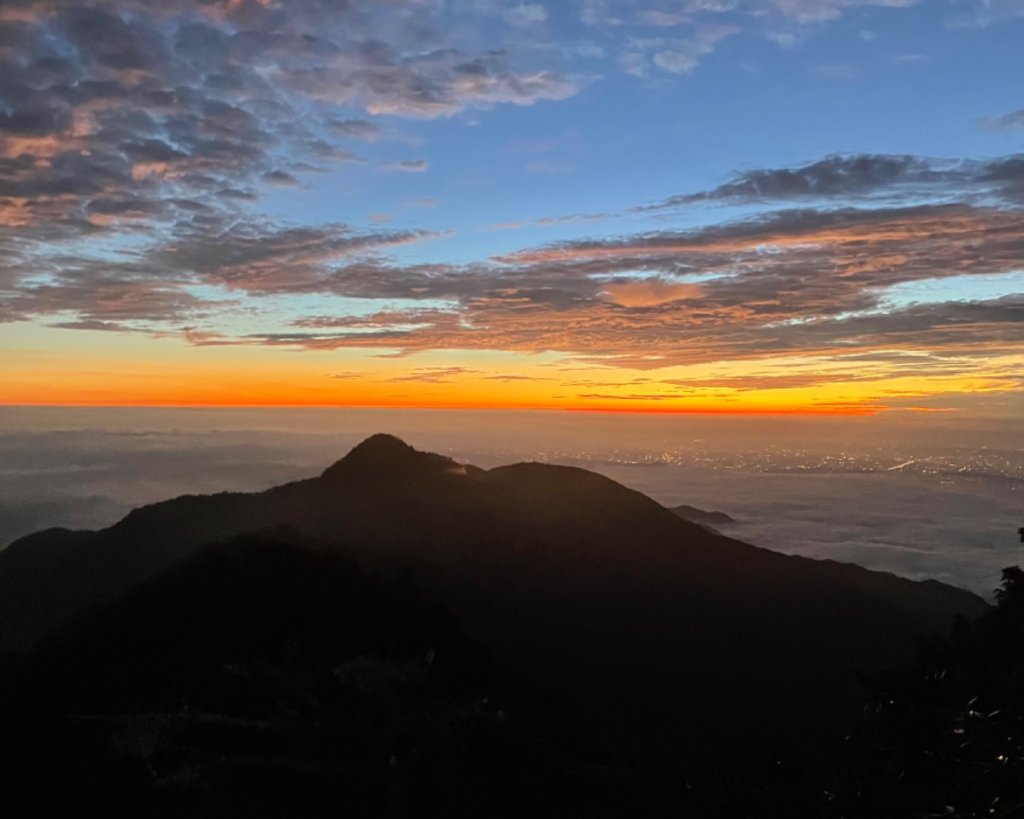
{"points": [[255, 678], [695, 515], [574, 581], [267, 678]]}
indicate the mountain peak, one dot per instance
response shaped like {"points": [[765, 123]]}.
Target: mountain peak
{"points": [[386, 454], [382, 445]]}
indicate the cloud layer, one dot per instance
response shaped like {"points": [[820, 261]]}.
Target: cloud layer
{"points": [[793, 282], [162, 120], [92, 468]]}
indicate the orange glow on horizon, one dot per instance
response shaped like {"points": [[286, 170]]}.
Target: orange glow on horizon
{"points": [[643, 410], [99, 370]]}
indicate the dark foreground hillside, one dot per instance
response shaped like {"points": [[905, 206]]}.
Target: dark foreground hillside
{"points": [[629, 657], [268, 678], [262, 678]]}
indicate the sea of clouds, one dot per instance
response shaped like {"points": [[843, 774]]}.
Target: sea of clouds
{"points": [[87, 468]]}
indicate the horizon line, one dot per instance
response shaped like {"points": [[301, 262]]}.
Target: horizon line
{"points": [[846, 411]]}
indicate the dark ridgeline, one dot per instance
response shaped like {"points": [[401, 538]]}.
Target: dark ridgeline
{"points": [[695, 515], [639, 659]]}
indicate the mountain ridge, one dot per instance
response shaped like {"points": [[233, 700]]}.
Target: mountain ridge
{"points": [[702, 516], [568, 575]]}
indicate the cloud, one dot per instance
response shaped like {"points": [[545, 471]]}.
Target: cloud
{"points": [[636, 396], [573, 218], [153, 288], [680, 56], [428, 85], [842, 176], [513, 377], [649, 292], [818, 11], [356, 128], [660, 18], [260, 259], [137, 136], [134, 117], [1015, 119], [983, 13], [526, 14], [409, 166], [280, 178], [675, 55], [103, 302], [434, 375], [960, 325], [700, 25], [804, 283]]}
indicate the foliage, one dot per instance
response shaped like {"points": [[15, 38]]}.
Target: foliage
{"points": [[946, 737]]}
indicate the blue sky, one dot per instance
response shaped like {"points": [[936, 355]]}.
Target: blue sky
{"points": [[875, 80]]}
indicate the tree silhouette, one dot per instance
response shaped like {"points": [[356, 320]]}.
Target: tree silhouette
{"points": [[1011, 594], [947, 735]]}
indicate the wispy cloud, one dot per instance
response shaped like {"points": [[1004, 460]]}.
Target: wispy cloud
{"points": [[844, 176], [1014, 119], [409, 166], [434, 375]]}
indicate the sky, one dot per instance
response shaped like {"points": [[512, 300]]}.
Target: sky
{"points": [[736, 206]]}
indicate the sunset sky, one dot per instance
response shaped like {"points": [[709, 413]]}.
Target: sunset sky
{"points": [[672, 205]]}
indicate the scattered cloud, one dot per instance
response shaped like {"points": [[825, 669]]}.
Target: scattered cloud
{"points": [[434, 375], [156, 286], [842, 176], [791, 282], [1015, 119], [513, 377], [526, 14], [409, 166], [795, 283], [356, 128], [983, 13], [139, 117], [699, 26], [282, 178]]}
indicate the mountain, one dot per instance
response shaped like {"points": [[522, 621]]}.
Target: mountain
{"points": [[263, 678], [255, 678], [695, 515], [574, 581]]}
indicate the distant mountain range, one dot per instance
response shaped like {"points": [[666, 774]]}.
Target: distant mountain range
{"points": [[573, 581]]}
